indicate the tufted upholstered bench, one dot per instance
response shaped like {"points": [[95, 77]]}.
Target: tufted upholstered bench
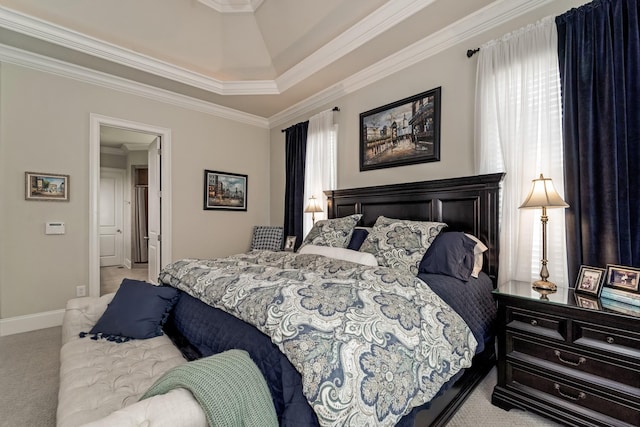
{"points": [[102, 381]]}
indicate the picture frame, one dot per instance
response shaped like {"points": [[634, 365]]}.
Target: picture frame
{"points": [[290, 243], [623, 278], [401, 133], [590, 280], [591, 303], [48, 187], [225, 191]]}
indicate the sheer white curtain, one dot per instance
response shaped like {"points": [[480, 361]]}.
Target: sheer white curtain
{"points": [[519, 131], [321, 163]]}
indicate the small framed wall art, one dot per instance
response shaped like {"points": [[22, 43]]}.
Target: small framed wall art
{"points": [[590, 280], [50, 187], [225, 191]]}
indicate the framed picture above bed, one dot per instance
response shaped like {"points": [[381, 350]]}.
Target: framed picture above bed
{"points": [[402, 133], [225, 191]]}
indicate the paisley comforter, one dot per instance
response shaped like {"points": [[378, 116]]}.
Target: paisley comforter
{"points": [[370, 343]]}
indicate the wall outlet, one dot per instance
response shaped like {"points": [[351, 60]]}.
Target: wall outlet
{"points": [[81, 291]]}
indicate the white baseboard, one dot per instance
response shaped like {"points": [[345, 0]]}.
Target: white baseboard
{"points": [[30, 322]]}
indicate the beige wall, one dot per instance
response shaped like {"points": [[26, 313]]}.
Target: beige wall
{"points": [[44, 127], [451, 70]]}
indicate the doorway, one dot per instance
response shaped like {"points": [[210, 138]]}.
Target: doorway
{"points": [[158, 211]]}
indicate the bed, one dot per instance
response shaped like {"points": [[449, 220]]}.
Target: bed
{"points": [[352, 371]]}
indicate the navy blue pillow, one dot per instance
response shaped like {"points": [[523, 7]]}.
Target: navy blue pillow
{"points": [[357, 238], [138, 310], [451, 253]]}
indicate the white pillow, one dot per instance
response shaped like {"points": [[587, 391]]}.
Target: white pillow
{"points": [[364, 258], [477, 255]]}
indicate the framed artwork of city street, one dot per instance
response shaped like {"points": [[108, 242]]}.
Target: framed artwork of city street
{"points": [[402, 133], [225, 191], [46, 186]]}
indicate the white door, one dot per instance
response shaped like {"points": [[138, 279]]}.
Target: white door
{"points": [[153, 214], [111, 217]]}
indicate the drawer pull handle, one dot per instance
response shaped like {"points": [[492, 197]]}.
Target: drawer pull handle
{"points": [[534, 322], [610, 340], [580, 361], [580, 396]]}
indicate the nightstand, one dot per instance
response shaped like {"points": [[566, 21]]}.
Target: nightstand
{"points": [[573, 362]]}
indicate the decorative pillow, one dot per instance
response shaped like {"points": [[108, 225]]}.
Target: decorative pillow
{"points": [[358, 236], [138, 310], [401, 243], [267, 238], [332, 232], [364, 258], [478, 259], [451, 254]]}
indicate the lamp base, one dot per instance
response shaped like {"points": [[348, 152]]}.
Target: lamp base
{"points": [[544, 284]]}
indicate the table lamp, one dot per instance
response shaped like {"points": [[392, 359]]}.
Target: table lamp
{"points": [[543, 195], [313, 206]]}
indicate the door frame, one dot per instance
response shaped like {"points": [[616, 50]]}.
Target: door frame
{"points": [[95, 121]]}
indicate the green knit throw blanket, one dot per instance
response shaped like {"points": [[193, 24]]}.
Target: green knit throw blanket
{"points": [[228, 386]]}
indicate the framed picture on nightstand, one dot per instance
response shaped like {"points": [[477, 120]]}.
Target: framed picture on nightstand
{"points": [[623, 278], [590, 280], [290, 243]]}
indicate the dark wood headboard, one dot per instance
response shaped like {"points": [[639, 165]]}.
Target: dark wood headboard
{"points": [[468, 204]]}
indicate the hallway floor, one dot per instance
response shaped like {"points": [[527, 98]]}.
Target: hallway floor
{"points": [[111, 277]]}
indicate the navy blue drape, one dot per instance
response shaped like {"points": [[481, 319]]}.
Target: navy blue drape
{"points": [[296, 153], [599, 58]]}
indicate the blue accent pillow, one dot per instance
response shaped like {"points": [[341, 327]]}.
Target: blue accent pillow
{"points": [[452, 254], [138, 310], [357, 238]]}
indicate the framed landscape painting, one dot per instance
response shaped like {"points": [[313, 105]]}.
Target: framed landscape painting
{"points": [[225, 191], [402, 133], [46, 186]]}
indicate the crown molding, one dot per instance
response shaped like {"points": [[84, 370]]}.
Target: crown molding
{"points": [[233, 6], [112, 150], [61, 36], [470, 26], [492, 15], [383, 18], [45, 64], [376, 23]]}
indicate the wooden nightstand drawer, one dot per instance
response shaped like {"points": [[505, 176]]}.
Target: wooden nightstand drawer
{"points": [[537, 323], [611, 340], [575, 394], [605, 371]]}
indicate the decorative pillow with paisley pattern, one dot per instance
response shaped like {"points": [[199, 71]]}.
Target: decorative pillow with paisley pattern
{"points": [[401, 243], [332, 232]]}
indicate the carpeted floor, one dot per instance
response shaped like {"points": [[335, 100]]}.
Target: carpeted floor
{"points": [[29, 370]]}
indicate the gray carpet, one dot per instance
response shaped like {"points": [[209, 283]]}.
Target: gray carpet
{"points": [[29, 370]]}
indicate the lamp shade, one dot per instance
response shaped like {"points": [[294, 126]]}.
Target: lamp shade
{"points": [[543, 195], [313, 205]]}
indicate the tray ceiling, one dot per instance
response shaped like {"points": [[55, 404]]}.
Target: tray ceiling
{"points": [[258, 57]]}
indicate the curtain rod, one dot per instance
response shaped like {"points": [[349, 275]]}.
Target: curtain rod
{"points": [[472, 52], [334, 109]]}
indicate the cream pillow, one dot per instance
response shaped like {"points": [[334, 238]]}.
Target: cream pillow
{"points": [[478, 256], [341, 253]]}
